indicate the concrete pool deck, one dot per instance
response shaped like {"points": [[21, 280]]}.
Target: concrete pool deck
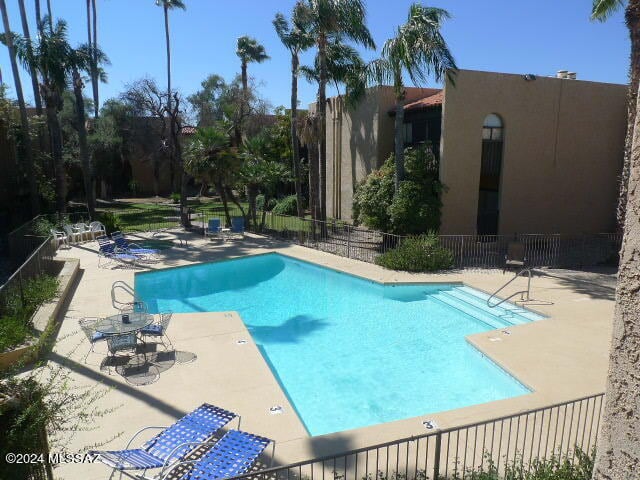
{"points": [[561, 358]]}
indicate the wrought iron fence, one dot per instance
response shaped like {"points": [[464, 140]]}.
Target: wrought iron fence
{"points": [[509, 446], [469, 251], [38, 263]]}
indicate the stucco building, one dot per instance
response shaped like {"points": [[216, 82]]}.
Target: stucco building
{"points": [[518, 153]]}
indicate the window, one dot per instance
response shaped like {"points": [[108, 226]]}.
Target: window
{"points": [[492, 127], [408, 133]]}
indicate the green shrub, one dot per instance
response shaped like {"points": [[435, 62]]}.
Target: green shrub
{"points": [[13, 331], [111, 222], [422, 253], [414, 209], [42, 227], [175, 197], [287, 206], [260, 203]]}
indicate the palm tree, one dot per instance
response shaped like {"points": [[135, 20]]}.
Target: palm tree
{"points": [[32, 71], [602, 10], [8, 38], [83, 59], [50, 55], [296, 40], [419, 50], [249, 51], [325, 19], [309, 134]]}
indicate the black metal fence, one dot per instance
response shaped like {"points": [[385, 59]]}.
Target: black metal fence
{"points": [[40, 262], [505, 447]]}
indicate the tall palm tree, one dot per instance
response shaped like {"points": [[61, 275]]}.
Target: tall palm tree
{"points": [[418, 49], [325, 19], [296, 40], [178, 181], [309, 134], [248, 51], [32, 71], [602, 10], [49, 55], [8, 38], [82, 60]]}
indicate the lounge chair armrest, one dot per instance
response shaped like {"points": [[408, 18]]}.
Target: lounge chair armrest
{"points": [[140, 431]]}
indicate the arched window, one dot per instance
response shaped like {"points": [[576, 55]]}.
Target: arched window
{"points": [[490, 170], [492, 127]]}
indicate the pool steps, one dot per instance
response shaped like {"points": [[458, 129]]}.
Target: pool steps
{"points": [[474, 303]]}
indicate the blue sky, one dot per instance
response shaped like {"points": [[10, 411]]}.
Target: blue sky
{"points": [[537, 37]]}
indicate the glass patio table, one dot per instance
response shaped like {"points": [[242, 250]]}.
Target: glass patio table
{"points": [[114, 324]]}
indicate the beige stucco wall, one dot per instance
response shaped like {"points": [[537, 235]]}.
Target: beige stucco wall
{"points": [[563, 147], [359, 140]]}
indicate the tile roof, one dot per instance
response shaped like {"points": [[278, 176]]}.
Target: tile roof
{"points": [[432, 100]]}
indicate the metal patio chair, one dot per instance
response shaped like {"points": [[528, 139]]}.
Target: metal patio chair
{"points": [[158, 328], [88, 326]]}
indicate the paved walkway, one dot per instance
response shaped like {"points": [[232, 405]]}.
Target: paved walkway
{"points": [[561, 358]]}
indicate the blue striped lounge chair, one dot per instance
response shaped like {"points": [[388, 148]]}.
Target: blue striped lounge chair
{"points": [[234, 454], [133, 248], [109, 252], [171, 445]]}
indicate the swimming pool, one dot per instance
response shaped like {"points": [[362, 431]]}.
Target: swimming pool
{"points": [[349, 352]]}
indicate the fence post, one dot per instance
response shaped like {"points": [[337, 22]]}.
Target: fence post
{"points": [[436, 460], [348, 241]]}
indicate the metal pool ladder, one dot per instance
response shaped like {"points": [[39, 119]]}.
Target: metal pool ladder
{"points": [[135, 302], [524, 294]]}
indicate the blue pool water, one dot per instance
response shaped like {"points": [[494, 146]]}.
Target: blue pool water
{"points": [[349, 352]]}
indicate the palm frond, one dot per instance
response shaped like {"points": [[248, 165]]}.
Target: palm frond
{"points": [[249, 50], [601, 10]]}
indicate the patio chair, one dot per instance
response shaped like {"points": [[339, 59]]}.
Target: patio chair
{"points": [[172, 444], [84, 230], [237, 226], [133, 248], [158, 328], [60, 237], [122, 343], [214, 229], [73, 234], [97, 229], [108, 252], [515, 259], [88, 326], [234, 454]]}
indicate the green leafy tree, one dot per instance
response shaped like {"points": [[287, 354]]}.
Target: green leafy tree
{"points": [[206, 102], [414, 208], [294, 37], [210, 157], [419, 50], [248, 51], [325, 20], [27, 150]]}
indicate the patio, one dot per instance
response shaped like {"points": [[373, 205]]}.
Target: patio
{"points": [[561, 358]]}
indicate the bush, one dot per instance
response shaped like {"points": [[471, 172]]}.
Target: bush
{"points": [[422, 253], [18, 309], [175, 197], [111, 222], [287, 206], [414, 209], [260, 203], [42, 227]]}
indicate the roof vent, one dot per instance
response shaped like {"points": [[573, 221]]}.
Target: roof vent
{"points": [[572, 75], [562, 74]]}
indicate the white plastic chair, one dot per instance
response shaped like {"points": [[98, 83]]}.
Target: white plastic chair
{"points": [[85, 230], [97, 229], [72, 233], [60, 237]]}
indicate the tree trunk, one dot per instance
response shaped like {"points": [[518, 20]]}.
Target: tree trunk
{"points": [[24, 120], [252, 193], [238, 130], [223, 197], [184, 183], [399, 143], [618, 454], [322, 128], [50, 14], [263, 220], [295, 143], [94, 63], [32, 71], [632, 19], [314, 181], [85, 161], [38, 16], [55, 133], [174, 169]]}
